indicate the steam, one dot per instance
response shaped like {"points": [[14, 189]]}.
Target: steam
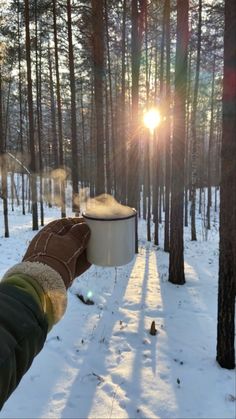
{"points": [[102, 206], [59, 174], [106, 206]]}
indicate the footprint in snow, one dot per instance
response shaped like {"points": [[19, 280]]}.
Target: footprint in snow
{"points": [[59, 396]]}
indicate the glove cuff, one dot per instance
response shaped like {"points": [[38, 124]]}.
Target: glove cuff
{"points": [[50, 280]]}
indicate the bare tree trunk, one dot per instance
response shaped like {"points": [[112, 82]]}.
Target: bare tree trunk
{"points": [[74, 146], [167, 125], [161, 134], [55, 160], [227, 260], [59, 113], [137, 18], [83, 160], [31, 121], [194, 133], [147, 137], [156, 160], [53, 147], [113, 140], [176, 266], [107, 144], [20, 105], [209, 169], [39, 113], [3, 165], [188, 144], [133, 165], [98, 67], [156, 184], [92, 148], [123, 164]]}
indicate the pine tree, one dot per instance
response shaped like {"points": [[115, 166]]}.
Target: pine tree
{"points": [[176, 267], [227, 260]]}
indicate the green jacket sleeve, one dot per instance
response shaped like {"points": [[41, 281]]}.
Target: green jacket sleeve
{"points": [[23, 331], [32, 299]]}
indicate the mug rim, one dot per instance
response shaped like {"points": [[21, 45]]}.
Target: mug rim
{"points": [[110, 219]]}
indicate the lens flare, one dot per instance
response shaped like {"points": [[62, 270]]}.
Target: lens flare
{"points": [[89, 294], [152, 119]]}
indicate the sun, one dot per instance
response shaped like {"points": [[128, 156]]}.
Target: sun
{"points": [[152, 119]]}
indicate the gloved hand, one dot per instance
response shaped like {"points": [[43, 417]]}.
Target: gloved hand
{"points": [[62, 245], [55, 256]]}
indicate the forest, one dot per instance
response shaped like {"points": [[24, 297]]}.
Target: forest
{"points": [[134, 99]]}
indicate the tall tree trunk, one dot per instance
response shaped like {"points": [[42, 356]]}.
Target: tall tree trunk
{"points": [[55, 159], [38, 52], [123, 163], [20, 105], [107, 144], [227, 259], [194, 128], [98, 67], [83, 160], [137, 18], [209, 168], [31, 121], [59, 113], [188, 142], [161, 133], [53, 147], [113, 139], [218, 146], [147, 138], [159, 148], [167, 130], [3, 165], [74, 146], [156, 171], [176, 267]]}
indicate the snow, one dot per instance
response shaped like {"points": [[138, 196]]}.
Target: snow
{"points": [[100, 361]]}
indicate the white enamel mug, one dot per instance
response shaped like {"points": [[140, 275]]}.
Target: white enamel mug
{"points": [[112, 241]]}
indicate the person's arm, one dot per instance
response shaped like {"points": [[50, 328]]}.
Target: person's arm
{"points": [[26, 315], [23, 331], [33, 297]]}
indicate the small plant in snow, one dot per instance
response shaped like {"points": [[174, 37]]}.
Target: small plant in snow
{"points": [[153, 330]]}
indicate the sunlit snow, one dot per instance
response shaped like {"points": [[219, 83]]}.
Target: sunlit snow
{"points": [[100, 361]]}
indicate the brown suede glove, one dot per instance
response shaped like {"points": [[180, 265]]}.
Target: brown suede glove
{"points": [[61, 244]]}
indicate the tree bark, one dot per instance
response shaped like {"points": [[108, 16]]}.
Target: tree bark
{"points": [[194, 122], [31, 121], [38, 65], [3, 166], [137, 19], [227, 259], [20, 104], [74, 145], [59, 114], [98, 67], [167, 130], [123, 163], [209, 168], [112, 122], [176, 266]]}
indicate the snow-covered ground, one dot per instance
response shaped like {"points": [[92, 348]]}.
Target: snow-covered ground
{"points": [[101, 362]]}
